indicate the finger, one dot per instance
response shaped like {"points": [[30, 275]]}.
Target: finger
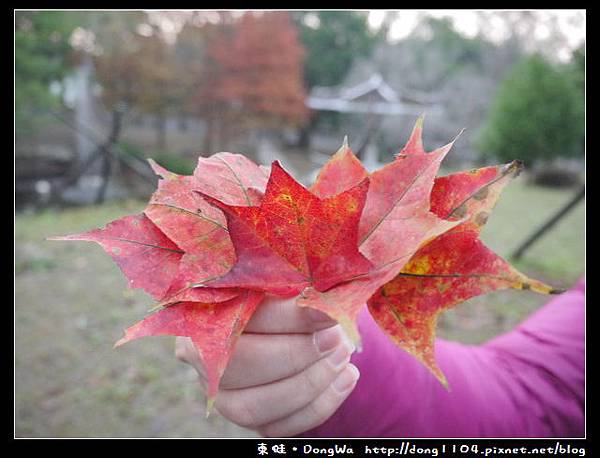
{"points": [[273, 357], [259, 405], [186, 351], [181, 350], [282, 316], [318, 411]]}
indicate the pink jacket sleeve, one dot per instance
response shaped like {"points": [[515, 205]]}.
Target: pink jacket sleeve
{"points": [[526, 383]]}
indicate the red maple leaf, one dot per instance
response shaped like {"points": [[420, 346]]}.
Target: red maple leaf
{"points": [[450, 268], [298, 238]]}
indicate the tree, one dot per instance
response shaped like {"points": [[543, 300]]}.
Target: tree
{"points": [[537, 114], [137, 72], [190, 57], [333, 39], [256, 75], [132, 65], [577, 67], [42, 53], [577, 72]]}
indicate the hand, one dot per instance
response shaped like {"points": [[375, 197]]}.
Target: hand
{"points": [[289, 373]]}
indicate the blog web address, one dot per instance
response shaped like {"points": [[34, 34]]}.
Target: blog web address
{"points": [[411, 449], [408, 448], [421, 448]]}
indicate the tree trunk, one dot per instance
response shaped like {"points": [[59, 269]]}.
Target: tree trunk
{"points": [[115, 132]]}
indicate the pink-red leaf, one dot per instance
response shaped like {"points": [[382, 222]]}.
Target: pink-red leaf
{"points": [[196, 227], [342, 172], [396, 218], [147, 257], [213, 328], [231, 178]]}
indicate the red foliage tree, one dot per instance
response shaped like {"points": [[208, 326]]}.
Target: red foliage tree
{"points": [[256, 78]]}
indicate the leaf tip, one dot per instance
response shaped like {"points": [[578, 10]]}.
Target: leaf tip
{"points": [[416, 137], [515, 168], [446, 148], [415, 141], [121, 341], [61, 238], [460, 132], [351, 331], [439, 375], [210, 403], [345, 142], [445, 384], [557, 291], [528, 284]]}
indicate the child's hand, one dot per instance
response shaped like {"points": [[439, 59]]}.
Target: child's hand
{"points": [[289, 373]]}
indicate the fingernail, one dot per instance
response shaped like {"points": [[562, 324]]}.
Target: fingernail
{"points": [[340, 356], [327, 339], [346, 379]]}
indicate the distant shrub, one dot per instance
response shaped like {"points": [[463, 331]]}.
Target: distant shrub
{"points": [[537, 115]]}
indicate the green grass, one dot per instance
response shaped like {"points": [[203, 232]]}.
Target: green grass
{"points": [[72, 304], [559, 255]]}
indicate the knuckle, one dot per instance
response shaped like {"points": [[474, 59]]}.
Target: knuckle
{"points": [[238, 410], [296, 359], [312, 379], [318, 412]]}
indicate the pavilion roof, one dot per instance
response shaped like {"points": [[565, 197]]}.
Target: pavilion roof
{"points": [[373, 95]]}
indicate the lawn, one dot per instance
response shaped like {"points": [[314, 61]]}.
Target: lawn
{"points": [[72, 304]]}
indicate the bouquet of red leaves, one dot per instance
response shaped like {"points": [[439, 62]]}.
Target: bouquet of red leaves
{"points": [[210, 246]]}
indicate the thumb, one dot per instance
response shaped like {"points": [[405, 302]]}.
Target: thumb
{"points": [[282, 316]]}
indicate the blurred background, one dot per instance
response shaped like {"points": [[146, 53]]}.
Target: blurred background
{"points": [[98, 92]]}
